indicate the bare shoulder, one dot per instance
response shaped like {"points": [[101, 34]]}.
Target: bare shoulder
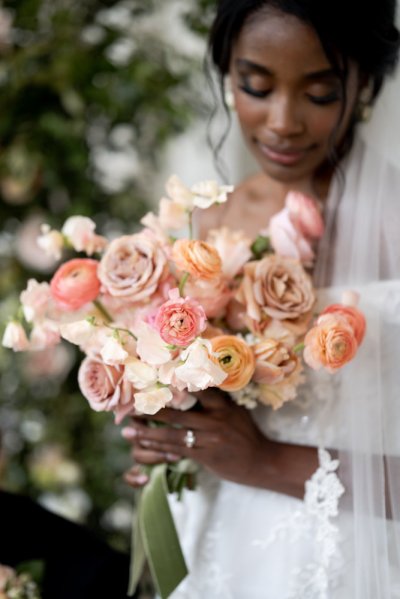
{"points": [[249, 207]]}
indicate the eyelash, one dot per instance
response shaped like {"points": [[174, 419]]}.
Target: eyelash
{"points": [[319, 100]]}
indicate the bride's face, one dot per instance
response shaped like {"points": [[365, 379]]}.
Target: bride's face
{"points": [[287, 96]]}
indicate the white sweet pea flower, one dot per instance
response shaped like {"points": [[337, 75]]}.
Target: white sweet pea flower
{"points": [[51, 242], [140, 374], [152, 399], [112, 353], [15, 337], [80, 231], [150, 347], [35, 300], [207, 193], [199, 370], [179, 193], [78, 332]]}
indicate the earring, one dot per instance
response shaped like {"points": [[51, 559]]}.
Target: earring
{"points": [[229, 98], [364, 107]]}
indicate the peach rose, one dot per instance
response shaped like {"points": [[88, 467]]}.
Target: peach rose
{"points": [[180, 320], [276, 288], [236, 358], [274, 362], [354, 317], [105, 388], [133, 266], [331, 343], [75, 283], [198, 258]]}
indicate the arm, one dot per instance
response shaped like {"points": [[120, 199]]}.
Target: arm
{"points": [[228, 443]]}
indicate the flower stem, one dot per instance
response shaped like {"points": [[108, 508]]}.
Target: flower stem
{"points": [[183, 283], [103, 311], [298, 348]]}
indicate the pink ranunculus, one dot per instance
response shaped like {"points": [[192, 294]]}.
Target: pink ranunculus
{"points": [[287, 240], [15, 337], [180, 320], [133, 266], [305, 214], [105, 388], [75, 283], [80, 231]]}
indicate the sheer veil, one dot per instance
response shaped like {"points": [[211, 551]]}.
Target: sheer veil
{"points": [[361, 250]]}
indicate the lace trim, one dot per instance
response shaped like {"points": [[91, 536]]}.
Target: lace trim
{"points": [[314, 520]]}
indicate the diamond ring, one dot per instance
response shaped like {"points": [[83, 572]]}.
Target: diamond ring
{"points": [[189, 439]]}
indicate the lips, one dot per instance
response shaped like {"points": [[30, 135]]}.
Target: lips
{"points": [[284, 156]]}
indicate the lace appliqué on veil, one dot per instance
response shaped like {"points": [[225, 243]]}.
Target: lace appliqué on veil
{"points": [[315, 520]]}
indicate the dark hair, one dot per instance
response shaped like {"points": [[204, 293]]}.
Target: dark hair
{"points": [[363, 31]]}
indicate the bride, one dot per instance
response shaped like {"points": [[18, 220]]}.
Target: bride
{"points": [[304, 502]]}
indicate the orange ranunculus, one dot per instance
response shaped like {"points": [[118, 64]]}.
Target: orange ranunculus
{"points": [[236, 359], [75, 283], [198, 258], [331, 343], [354, 317]]}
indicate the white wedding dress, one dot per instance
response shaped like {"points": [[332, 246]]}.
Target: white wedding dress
{"points": [[246, 543]]}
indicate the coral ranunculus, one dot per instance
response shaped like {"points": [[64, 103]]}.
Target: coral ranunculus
{"points": [[236, 358], [180, 320], [75, 283], [198, 258], [354, 317], [330, 344]]}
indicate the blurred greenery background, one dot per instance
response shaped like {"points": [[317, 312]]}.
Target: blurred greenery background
{"points": [[90, 93]]}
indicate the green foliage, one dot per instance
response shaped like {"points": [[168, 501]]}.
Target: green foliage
{"points": [[84, 85]]}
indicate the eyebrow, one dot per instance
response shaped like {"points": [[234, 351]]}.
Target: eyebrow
{"points": [[257, 68]]}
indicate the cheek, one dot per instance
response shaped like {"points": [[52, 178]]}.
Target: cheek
{"points": [[249, 113], [322, 124]]}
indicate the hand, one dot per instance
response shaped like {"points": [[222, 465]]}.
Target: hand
{"points": [[228, 443]]}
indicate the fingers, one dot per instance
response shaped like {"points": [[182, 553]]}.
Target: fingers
{"points": [[135, 477], [153, 453]]}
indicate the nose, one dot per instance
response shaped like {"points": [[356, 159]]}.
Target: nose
{"points": [[283, 116]]}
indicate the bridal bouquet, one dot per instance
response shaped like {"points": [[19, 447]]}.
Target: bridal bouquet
{"points": [[16, 586], [159, 315]]}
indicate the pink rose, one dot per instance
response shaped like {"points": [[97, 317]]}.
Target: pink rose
{"points": [[287, 240], [305, 214], [75, 283], [105, 388], [180, 320], [133, 266]]}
